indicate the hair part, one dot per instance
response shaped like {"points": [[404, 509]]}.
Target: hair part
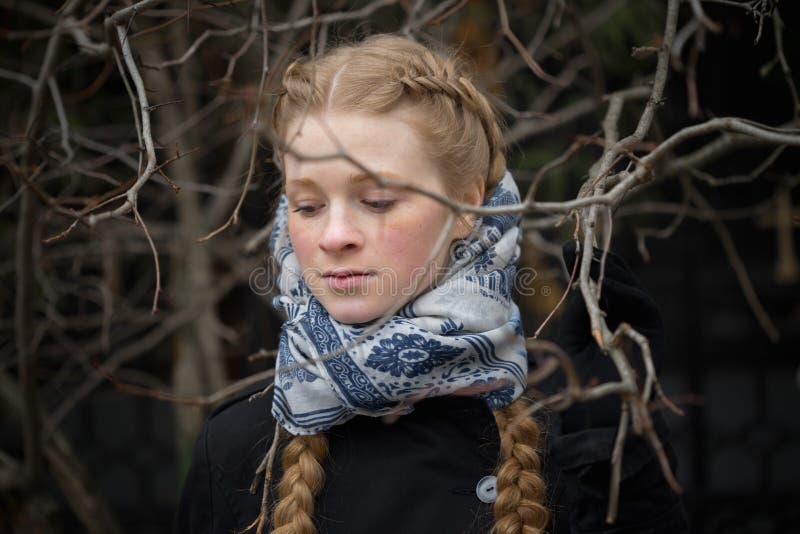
{"points": [[434, 92]]}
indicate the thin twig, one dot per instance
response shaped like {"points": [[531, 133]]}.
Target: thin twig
{"points": [[560, 301], [505, 28], [18, 77], [251, 38], [787, 71], [146, 133], [738, 267], [433, 17], [199, 41], [62, 118], [254, 132], [616, 465], [198, 400], [140, 221], [263, 517], [700, 15]]}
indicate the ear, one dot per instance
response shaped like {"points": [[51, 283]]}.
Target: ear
{"points": [[472, 194]]}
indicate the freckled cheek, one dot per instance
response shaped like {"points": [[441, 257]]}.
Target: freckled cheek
{"points": [[396, 244], [303, 243], [406, 247]]}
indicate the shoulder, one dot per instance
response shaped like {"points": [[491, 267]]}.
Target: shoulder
{"points": [[237, 435], [216, 494], [242, 415]]}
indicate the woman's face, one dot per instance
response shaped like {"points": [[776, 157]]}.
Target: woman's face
{"points": [[361, 247]]}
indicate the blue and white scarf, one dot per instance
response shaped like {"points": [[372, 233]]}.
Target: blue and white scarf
{"points": [[462, 337]]}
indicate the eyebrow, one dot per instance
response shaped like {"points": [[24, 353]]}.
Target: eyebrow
{"points": [[353, 179]]}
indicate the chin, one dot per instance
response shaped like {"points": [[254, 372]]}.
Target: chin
{"points": [[359, 317], [353, 312]]}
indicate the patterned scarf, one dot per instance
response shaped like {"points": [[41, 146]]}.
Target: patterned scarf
{"points": [[463, 336]]}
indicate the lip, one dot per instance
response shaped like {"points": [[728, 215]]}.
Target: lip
{"points": [[346, 279], [344, 272]]}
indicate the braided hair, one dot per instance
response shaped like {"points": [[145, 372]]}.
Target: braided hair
{"points": [[519, 506], [303, 477]]}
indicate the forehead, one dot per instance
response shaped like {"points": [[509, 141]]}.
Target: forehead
{"points": [[379, 142]]}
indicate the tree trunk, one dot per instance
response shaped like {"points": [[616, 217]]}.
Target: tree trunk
{"points": [[198, 366]]}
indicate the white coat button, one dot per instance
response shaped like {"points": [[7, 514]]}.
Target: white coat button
{"points": [[487, 489]]}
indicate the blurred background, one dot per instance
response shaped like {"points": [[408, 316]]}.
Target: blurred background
{"points": [[101, 399]]}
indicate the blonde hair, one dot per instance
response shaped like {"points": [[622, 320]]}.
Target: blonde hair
{"points": [[461, 134], [519, 507], [303, 477], [384, 73]]}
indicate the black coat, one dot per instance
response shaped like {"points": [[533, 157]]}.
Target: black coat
{"points": [[419, 474]]}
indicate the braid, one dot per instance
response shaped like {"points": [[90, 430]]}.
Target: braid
{"points": [[519, 507], [462, 91], [488, 118], [303, 477]]}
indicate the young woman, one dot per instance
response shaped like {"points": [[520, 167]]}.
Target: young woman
{"points": [[402, 361]]}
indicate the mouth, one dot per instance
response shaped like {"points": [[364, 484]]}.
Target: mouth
{"points": [[346, 279]]}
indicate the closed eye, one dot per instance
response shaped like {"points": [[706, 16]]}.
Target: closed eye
{"points": [[305, 209], [379, 205]]}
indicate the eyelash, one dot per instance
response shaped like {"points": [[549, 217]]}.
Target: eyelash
{"points": [[380, 205], [377, 205], [304, 209]]}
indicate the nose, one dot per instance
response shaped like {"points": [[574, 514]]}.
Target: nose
{"points": [[340, 233]]}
